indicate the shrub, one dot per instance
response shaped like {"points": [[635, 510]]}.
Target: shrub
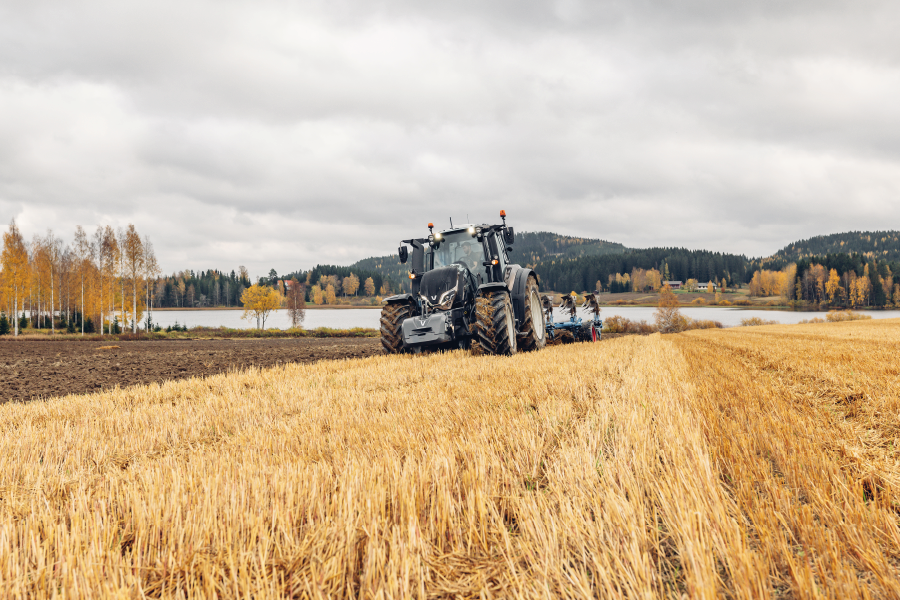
{"points": [[668, 318], [699, 301], [836, 316], [813, 320], [754, 321], [617, 324], [742, 302], [703, 324]]}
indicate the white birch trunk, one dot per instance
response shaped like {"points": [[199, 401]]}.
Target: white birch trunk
{"points": [[52, 322]]}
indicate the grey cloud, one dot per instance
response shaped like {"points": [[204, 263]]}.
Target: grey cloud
{"points": [[285, 134]]}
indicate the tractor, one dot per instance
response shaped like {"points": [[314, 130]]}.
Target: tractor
{"points": [[465, 294]]}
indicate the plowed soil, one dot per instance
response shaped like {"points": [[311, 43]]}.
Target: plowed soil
{"points": [[31, 369]]}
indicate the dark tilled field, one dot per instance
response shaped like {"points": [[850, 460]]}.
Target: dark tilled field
{"points": [[31, 369]]}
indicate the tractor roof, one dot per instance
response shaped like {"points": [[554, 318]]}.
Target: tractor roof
{"points": [[460, 228]]}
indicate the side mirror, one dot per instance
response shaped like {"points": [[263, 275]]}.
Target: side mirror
{"points": [[509, 236], [404, 254]]}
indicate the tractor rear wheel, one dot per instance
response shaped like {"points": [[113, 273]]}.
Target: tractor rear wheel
{"points": [[534, 330], [392, 317], [495, 325]]}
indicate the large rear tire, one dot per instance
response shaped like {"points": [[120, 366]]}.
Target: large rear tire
{"points": [[495, 325], [392, 317], [534, 330]]}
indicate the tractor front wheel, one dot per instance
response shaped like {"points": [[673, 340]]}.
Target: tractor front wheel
{"points": [[392, 317], [495, 325]]}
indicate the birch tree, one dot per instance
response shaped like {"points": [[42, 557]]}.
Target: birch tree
{"points": [[82, 247], [832, 285], [668, 316], [350, 284], [151, 271], [259, 301], [103, 258], [133, 254], [296, 303], [53, 247], [39, 271], [14, 260], [122, 272]]}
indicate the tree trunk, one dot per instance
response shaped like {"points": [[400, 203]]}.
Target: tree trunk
{"points": [[52, 322], [16, 313]]}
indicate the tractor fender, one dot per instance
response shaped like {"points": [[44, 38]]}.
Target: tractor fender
{"points": [[498, 286], [400, 299], [517, 284]]}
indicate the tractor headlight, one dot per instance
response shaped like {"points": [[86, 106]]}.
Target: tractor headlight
{"points": [[472, 230]]}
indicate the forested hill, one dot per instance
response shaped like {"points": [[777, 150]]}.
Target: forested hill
{"points": [[530, 248], [572, 263], [534, 247], [874, 244], [583, 273]]}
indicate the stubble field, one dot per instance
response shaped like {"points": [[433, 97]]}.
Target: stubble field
{"points": [[747, 463]]}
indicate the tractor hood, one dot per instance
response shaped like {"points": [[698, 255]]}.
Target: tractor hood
{"points": [[441, 286]]}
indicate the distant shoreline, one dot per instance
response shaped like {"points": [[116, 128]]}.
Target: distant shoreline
{"points": [[308, 307]]}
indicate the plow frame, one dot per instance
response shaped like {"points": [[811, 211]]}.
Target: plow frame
{"points": [[581, 330]]}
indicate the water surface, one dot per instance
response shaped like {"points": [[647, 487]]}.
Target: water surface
{"points": [[345, 318]]}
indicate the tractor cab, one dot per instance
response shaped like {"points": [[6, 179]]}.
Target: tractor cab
{"points": [[466, 247]]}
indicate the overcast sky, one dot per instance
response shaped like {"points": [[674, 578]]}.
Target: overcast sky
{"points": [[285, 134]]}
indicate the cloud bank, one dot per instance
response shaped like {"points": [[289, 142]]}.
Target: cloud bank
{"points": [[285, 134]]}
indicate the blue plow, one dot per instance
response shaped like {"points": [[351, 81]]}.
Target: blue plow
{"points": [[574, 329]]}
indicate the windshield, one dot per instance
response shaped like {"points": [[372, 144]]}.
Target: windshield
{"points": [[458, 247]]}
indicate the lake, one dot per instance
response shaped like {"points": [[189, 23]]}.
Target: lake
{"points": [[345, 318]]}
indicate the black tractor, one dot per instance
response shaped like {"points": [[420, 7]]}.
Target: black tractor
{"points": [[465, 294]]}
